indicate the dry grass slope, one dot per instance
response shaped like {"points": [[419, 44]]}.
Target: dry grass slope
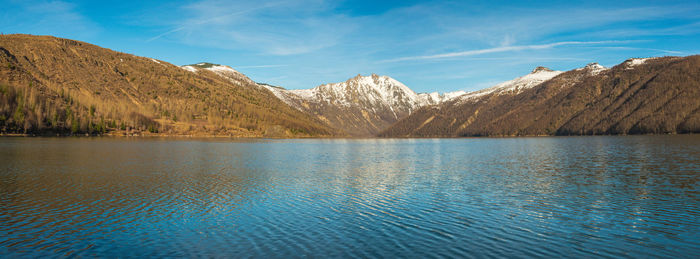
{"points": [[53, 85]]}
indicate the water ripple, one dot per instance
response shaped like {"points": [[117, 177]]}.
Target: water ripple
{"points": [[467, 198]]}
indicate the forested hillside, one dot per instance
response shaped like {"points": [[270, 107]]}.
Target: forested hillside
{"points": [[54, 86], [51, 85], [639, 96]]}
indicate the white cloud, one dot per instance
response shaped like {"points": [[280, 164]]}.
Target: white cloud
{"points": [[502, 49], [321, 43], [273, 28], [437, 29], [213, 20]]}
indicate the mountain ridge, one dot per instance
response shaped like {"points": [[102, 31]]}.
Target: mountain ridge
{"points": [[638, 96], [55, 85], [362, 105], [51, 85]]}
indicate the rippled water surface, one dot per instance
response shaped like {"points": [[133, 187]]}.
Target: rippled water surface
{"points": [[632, 196]]}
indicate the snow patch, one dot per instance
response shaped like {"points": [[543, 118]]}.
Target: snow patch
{"points": [[593, 68], [437, 98], [451, 95], [307, 94], [225, 69], [231, 75], [637, 61], [189, 68], [538, 76], [280, 93], [631, 63]]}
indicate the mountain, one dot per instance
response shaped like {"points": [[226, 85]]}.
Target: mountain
{"points": [[226, 72], [51, 85], [515, 86], [638, 96], [54, 85], [362, 105]]}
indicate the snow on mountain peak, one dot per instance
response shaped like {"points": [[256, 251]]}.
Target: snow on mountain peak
{"points": [[632, 62], [373, 102], [437, 98], [594, 65], [224, 71], [593, 68], [371, 93], [387, 91], [189, 68], [538, 76], [362, 90], [532, 79]]}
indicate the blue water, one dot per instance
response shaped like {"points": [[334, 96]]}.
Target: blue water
{"points": [[628, 196]]}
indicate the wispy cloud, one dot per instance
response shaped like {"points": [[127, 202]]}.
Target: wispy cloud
{"points": [[319, 42], [664, 51], [270, 28], [443, 30], [692, 28], [503, 49], [205, 21]]}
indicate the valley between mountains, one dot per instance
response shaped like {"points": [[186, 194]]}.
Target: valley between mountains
{"points": [[54, 86]]}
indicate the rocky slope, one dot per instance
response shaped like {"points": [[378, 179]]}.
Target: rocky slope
{"points": [[54, 85], [360, 106], [638, 96]]}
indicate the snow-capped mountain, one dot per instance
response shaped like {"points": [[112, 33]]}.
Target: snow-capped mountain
{"points": [[369, 91], [367, 105], [515, 86], [638, 96], [362, 105]]}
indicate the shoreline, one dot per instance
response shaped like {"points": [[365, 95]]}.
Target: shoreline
{"points": [[194, 136]]}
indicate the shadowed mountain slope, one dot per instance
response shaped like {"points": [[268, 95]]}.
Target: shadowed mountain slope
{"points": [[639, 96]]}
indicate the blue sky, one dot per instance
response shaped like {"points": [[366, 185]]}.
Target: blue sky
{"points": [[428, 45]]}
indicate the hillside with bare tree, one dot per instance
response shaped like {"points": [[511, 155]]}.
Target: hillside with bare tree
{"points": [[51, 85], [638, 96]]}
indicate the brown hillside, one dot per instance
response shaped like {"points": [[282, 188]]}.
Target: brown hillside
{"points": [[662, 95], [53, 85]]}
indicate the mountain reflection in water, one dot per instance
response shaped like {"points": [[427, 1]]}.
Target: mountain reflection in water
{"points": [[625, 196]]}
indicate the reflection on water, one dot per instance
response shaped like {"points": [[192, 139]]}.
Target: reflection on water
{"points": [[522, 197]]}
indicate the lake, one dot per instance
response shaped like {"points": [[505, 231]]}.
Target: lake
{"points": [[607, 196]]}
